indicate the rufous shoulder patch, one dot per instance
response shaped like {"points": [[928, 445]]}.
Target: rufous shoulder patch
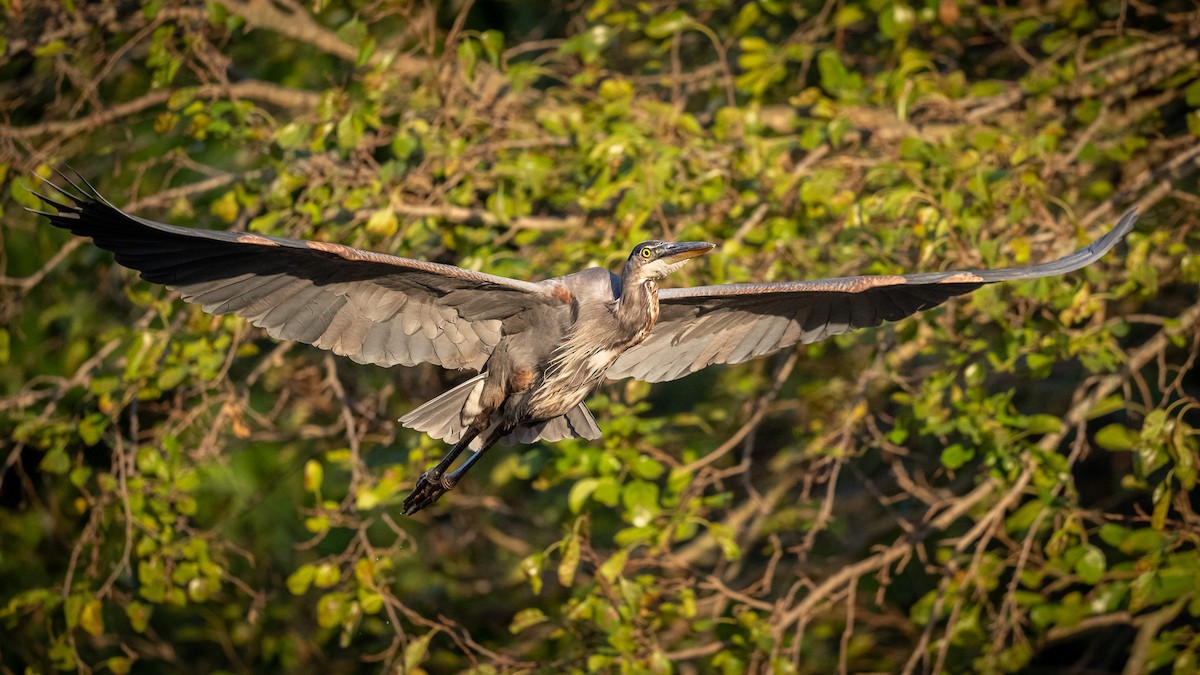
{"points": [[336, 249], [867, 283], [255, 239], [560, 293], [962, 278]]}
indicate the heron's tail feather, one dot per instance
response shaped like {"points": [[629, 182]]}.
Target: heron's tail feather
{"points": [[578, 423], [446, 416]]}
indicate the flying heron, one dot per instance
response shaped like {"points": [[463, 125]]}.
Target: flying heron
{"points": [[537, 348]]}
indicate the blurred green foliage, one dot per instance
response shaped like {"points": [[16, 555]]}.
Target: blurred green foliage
{"points": [[1001, 485]]}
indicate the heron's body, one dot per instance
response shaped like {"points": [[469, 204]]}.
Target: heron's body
{"points": [[538, 348], [549, 360], [539, 370], [535, 381]]}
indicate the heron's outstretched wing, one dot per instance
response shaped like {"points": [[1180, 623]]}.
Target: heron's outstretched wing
{"points": [[706, 325], [371, 307]]}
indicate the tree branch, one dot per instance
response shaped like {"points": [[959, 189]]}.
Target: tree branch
{"points": [[300, 26], [266, 92]]}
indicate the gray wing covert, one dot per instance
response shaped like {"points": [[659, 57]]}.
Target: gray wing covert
{"points": [[371, 307], [732, 323], [591, 285]]}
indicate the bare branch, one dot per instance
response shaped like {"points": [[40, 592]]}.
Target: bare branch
{"points": [[249, 89]]}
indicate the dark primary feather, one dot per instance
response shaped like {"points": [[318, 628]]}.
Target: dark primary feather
{"points": [[370, 307], [731, 323]]}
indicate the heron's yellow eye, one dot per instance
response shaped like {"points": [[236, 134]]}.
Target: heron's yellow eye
{"points": [[646, 253]]}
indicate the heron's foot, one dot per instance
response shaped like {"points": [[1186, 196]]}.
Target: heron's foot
{"points": [[430, 486]]}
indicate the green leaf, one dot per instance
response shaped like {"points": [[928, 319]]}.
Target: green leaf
{"points": [[848, 15], [91, 617], [171, 377], [50, 48], [91, 426], [1162, 505], [1192, 94], [1141, 540], [954, 456], [724, 536], [1113, 534], [293, 136], [612, 568], [646, 467], [383, 223], [493, 45], [1160, 587], [225, 208], [371, 601], [1024, 29], [1109, 404], [414, 651], [580, 491], [836, 78], [326, 575], [608, 491], [570, 560], [1042, 424], [530, 616], [1116, 438], [1024, 517], [1091, 565], [314, 475], [80, 475], [531, 567], [55, 461], [299, 581], [366, 49], [666, 25], [405, 145], [71, 609], [350, 131], [330, 609], [468, 58], [139, 615], [641, 502]]}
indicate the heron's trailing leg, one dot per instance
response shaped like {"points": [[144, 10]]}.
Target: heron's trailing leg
{"points": [[436, 482], [433, 478]]}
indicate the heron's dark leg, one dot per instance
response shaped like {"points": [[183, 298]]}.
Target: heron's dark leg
{"points": [[434, 476], [466, 466], [435, 482]]}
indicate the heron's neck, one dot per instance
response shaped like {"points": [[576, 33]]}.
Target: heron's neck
{"points": [[637, 308]]}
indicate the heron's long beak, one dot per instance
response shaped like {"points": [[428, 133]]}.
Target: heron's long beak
{"points": [[681, 251]]}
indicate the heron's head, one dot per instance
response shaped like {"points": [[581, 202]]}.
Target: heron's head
{"points": [[657, 259]]}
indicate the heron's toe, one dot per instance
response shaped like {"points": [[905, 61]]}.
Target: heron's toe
{"points": [[427, 491]]}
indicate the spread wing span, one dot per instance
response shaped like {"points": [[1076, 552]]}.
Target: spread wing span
{"points": [[731, 323], [370, 307]]}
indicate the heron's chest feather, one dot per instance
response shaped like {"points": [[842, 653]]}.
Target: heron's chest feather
{"points": [[643, 322], [580, 366], [580, 362], [602, 359]]}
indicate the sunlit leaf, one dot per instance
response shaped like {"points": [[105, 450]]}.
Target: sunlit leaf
{"points": [[530, 616], [414, 651], [570, 560], [91, 617], [1091, 565]]}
